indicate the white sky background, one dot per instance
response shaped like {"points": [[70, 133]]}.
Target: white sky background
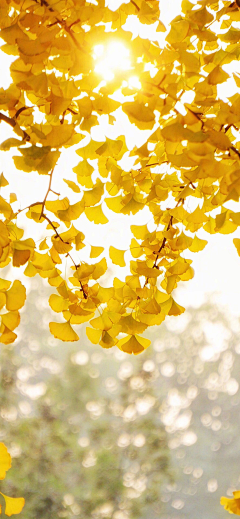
{"points": [[217, 268]]}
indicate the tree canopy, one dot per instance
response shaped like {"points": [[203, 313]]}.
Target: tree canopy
{"points": [[185, 174]]}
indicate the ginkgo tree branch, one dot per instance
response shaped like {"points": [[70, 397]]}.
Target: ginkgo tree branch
{"points": [[12, 122], [8, 120]]}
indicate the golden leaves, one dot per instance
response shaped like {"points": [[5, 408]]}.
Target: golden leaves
{"points": [[183, 171]]}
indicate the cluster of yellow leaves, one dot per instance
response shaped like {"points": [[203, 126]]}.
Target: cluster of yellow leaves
{"points": [[185, 173], [14, 505]]}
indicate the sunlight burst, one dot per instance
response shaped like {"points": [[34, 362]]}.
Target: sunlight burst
{"points": [[114, 57]]}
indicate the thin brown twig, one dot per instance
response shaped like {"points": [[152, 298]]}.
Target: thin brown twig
{"points": [[47, 193], [76, 267], [132, 2]]}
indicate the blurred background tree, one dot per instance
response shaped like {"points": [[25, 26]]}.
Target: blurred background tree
{"points": [[85, 433], [96, 433]]}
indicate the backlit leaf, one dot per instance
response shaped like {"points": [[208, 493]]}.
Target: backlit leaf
{"points": [[135, 344], [117, 256], [63, 331], [5, 460], [14, 505], [15, 296], [96, 251]]}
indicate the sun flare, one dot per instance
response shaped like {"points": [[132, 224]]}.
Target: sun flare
{"points": [[111, 59]]}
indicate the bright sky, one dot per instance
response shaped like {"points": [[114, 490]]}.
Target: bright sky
{"points": [[217, 268]]}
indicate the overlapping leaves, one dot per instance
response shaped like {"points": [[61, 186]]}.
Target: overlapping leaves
{"points": [[186, 172]]}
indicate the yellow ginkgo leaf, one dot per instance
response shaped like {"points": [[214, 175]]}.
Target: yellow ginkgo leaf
{"points": [[96, 214], [135, 248], [11, 320], [217, 76], [131, 326], [232, 505], [15, 296], [139, 231], [58, 303], [14, 505], [12, 198], [43, 245], [20, 257], [236, 242], [197, 244], [93, 335], [5, 460], [96, 251], [117, 256], [72, 185], [7, 336], [133, 344], [63, 331], [3, 181], [176, 309]]}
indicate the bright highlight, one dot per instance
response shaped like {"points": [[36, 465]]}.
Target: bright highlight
{"points": [[115, 57]]}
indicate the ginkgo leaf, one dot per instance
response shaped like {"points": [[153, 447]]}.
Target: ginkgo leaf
{"points": [[236, 242], [12, 198], [176, 309], [102, 323], [232, 505], [14, 505], [178, 32], [96, 214], [20, 257], [63, 331], [139, 231], [140, 115], [93, 335], [3, 181], [197, 244], [217, 76], [117, 256], [136, 249], [131, 326], [134, 344], [15, 296], [96, 251], [9, 143], [8, 336], [5, 460], [11, 320], [72, 185], [58, 303], [60, 245], [43, 245]]}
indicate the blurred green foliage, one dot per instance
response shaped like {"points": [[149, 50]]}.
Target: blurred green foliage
{"points": [[79, 447]]}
